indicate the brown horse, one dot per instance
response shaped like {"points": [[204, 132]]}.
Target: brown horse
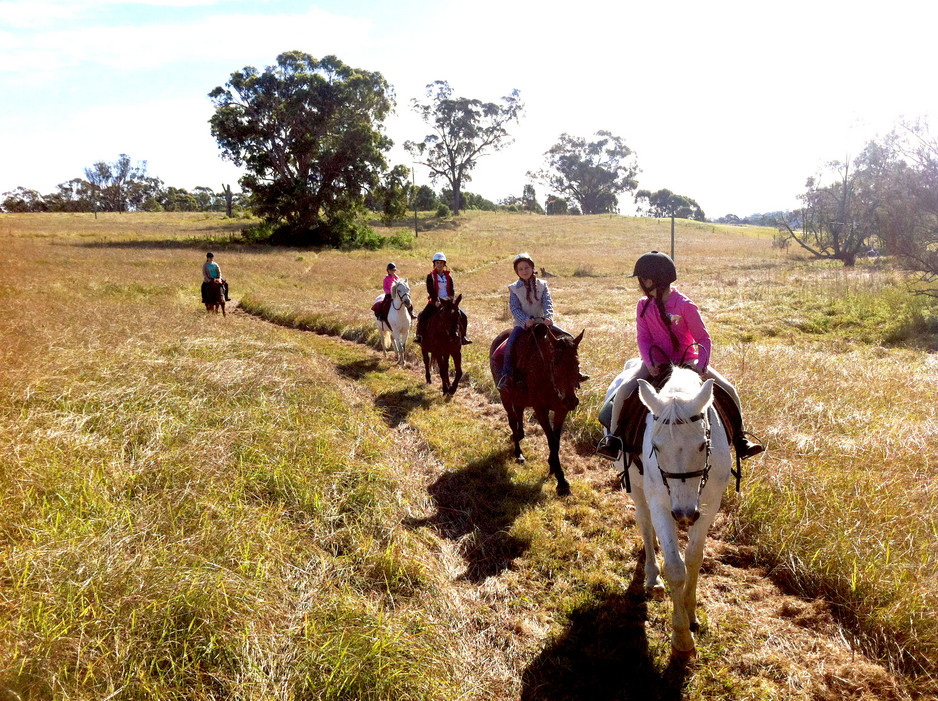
{"points": [[442, 340], [547, 376], [213, 295]]}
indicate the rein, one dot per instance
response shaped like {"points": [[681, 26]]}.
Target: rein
{"points": [[548, 363]]}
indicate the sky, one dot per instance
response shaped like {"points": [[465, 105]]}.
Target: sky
{"points": [[734, 104]]}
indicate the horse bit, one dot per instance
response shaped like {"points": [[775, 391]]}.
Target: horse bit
{"points": [[684, 476]]}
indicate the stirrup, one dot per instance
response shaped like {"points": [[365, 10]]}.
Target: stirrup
{"points": [[610, 447], [746, 448], [465, 341]]}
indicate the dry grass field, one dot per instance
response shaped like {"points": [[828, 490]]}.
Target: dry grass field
{"points": [[198, 507]]}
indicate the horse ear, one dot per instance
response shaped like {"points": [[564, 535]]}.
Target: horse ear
{"points": [[649, 397], [576, 341], [704, 398], [458, 300]]}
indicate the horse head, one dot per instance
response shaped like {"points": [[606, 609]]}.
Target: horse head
{"points": [[401, 290], [559, 352], [680, 439], [448, 319]]}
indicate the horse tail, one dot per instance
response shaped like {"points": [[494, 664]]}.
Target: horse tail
{"points": [[385, 330]]}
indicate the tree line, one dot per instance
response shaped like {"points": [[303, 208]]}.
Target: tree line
{"points": [[122, 186]]}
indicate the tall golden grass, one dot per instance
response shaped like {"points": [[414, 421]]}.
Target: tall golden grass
{"points": [[199, 507]]}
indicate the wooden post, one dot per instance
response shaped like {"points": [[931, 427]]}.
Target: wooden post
{"points": [[672, 237]]}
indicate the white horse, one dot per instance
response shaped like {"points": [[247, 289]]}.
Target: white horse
{"points": [[687, 465], [395, 330]]}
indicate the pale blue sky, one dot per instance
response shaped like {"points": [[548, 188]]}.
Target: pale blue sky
{"points": [[731, 103]]}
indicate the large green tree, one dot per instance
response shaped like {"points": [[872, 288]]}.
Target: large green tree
{"points": [[309, 132], [463, 130], [593, 173]]}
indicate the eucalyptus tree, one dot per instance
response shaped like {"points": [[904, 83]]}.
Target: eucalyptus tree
{"points": [[310, 134], [593, 173], [462, 131], [664, 203]]}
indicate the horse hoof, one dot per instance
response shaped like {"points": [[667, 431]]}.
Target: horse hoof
{"points": [[563, 489], [655, 592], [684, 655], [520, 459]]}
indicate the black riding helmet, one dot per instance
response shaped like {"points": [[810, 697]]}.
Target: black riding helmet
{"points": [[657, 267]]}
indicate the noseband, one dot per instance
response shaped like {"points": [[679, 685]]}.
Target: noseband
{"points": [[684, 476]]}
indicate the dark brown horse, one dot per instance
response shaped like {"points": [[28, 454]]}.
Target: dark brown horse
{"points": [[547, 376], [213, 296], [442, 340]]}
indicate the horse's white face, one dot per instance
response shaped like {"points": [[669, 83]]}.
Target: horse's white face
{"points": [[677, 442]]}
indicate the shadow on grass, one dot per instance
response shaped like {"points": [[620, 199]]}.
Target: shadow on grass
{"points": [[476, 506], [357, 369], [604, 655], [396, 406]]}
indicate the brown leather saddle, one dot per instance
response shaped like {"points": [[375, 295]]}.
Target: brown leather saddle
{"points": [[631, 427]]}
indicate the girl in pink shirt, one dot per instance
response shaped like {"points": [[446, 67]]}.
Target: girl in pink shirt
{"points": [[670, 332]]}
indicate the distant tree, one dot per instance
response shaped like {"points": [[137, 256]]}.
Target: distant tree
{"points": [[426, 199], [468, 200], [206, 199], [840, 220], [910, 218], [555, 205], [392, 196], [120, 186], [529, 201], [664, 203], [72, 196], [309, 133], [592, 173], [463, 130], [22, 201], [178, 199]]}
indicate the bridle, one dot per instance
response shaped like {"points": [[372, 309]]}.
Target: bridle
{"points": [[405, 300], [549, 363], [684, 476]]}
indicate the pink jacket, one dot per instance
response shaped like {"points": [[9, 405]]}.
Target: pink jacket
{"points": [[686, 324], [388, 281]]}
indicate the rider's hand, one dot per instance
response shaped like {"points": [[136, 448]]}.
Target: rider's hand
{"points": [[655, 370], [529, 323], [549, 322]]}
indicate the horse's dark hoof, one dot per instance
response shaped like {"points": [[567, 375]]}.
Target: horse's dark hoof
{"points": [[563, 489], [520, 459]]}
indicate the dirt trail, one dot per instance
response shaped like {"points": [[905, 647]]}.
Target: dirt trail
{"points": [[783, 646]]}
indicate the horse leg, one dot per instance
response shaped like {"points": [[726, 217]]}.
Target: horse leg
{"points": [[654, 587], [552, 431], [675, 573], [443, 364], [516, 423], [426, 363], [222, 305], [457, 371]]}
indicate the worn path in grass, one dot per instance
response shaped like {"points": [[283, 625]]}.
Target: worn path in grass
{"points": [[551, 589]]}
